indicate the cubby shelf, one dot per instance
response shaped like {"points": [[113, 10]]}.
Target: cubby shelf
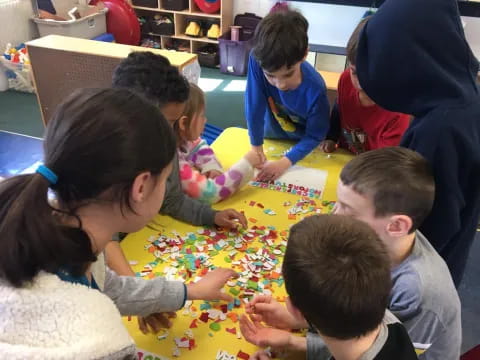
{"points": [[225, 18]]}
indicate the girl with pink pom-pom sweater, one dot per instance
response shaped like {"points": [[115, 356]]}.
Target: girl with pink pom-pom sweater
{"points": [[201, 174]]}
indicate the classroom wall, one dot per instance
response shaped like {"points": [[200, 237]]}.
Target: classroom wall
{"points": [[333, 24]]}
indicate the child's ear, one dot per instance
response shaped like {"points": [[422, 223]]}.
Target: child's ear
{"points": [[400, 225], [140, 187], [182, 124], [292, 309]]}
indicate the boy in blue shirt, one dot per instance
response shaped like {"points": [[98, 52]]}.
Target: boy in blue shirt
{"points": [[286, 97]]}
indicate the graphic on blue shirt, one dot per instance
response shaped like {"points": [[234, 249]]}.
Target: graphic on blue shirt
{"points": [[285, 121]]}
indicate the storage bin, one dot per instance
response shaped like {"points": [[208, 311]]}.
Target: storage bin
{"points": [[208, 56], [146, 3], [234, 54], [86, 27], [160, 27], [19, 75], [175, 5]]}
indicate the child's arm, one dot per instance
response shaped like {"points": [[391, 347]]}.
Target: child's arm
{"points": [[199, 186], [331, 140], [136, 296], [316, 129], [116, 259], [180, 206], [203, 157], [255, 103]]}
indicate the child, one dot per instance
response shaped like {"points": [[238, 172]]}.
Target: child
{"points": [[286, 98], [402, 71], [201, 174], [356, 122], [392, 190], [154, 78], [334, 266], [107, 164]]}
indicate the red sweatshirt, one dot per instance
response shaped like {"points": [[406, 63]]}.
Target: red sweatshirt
{"points": [[361, 128]]}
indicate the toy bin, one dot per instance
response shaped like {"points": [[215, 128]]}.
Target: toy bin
{"points": [[86, 27], [175, 5], [19, 76], [234, 54], [146, 3], [162, 25]]}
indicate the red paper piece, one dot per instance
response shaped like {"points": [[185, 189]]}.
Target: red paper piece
{"points": [[232, 330], [252, 203], [260, 206], [224, 308], [191, 344], [204, 317], [242, 355], [194, 324]]}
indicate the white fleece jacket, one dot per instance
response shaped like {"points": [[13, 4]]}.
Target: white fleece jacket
{"points": [[52, 319]]}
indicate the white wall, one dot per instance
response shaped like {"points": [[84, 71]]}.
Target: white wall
{"points": [[472, 33], [329, 24], [333, 24]]}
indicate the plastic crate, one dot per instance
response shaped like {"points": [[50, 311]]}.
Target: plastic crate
{"points": [[234, 54], [87, 27]]}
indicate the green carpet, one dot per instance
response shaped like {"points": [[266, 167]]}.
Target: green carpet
{"points": [[19, 112]]}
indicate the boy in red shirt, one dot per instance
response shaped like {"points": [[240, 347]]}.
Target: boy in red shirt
{"points": [[356, 122]]}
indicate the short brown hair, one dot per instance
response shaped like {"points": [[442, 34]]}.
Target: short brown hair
{"points": [[195, 102], [352, 44], [337, 273], [280, 39], [398, 181]]}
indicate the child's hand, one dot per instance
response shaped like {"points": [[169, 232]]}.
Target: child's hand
{"points": [[226, 219], [274, 169], [212, 174], [155, 322], [210, 286], [261, 355], [261, 155], [328, 146], [255, 158], [265, 308], [257, 334]]}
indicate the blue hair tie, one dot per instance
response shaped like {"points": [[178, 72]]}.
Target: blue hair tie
{"points": [[47, 174]]}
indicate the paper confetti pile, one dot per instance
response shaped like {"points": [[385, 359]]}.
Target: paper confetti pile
{"points": [[255, 254]]}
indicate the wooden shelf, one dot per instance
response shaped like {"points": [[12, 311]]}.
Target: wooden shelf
{"points": [[184, 12], [224, 19], [153, 9], [190, 38], [189, 13]]}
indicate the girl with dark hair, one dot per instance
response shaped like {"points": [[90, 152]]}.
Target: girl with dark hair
{"points": [[107, 163]]}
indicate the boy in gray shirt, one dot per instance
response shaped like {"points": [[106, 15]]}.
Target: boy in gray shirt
{"points": [[392, 190], [334, 266]]}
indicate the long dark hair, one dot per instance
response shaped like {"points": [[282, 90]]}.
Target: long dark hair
{"points": [[97, 140]]}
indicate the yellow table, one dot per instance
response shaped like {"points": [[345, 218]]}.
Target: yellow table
{"points": [[229, 147]]}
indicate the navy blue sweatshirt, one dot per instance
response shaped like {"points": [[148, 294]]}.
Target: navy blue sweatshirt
{"points": [[413, 58]]}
